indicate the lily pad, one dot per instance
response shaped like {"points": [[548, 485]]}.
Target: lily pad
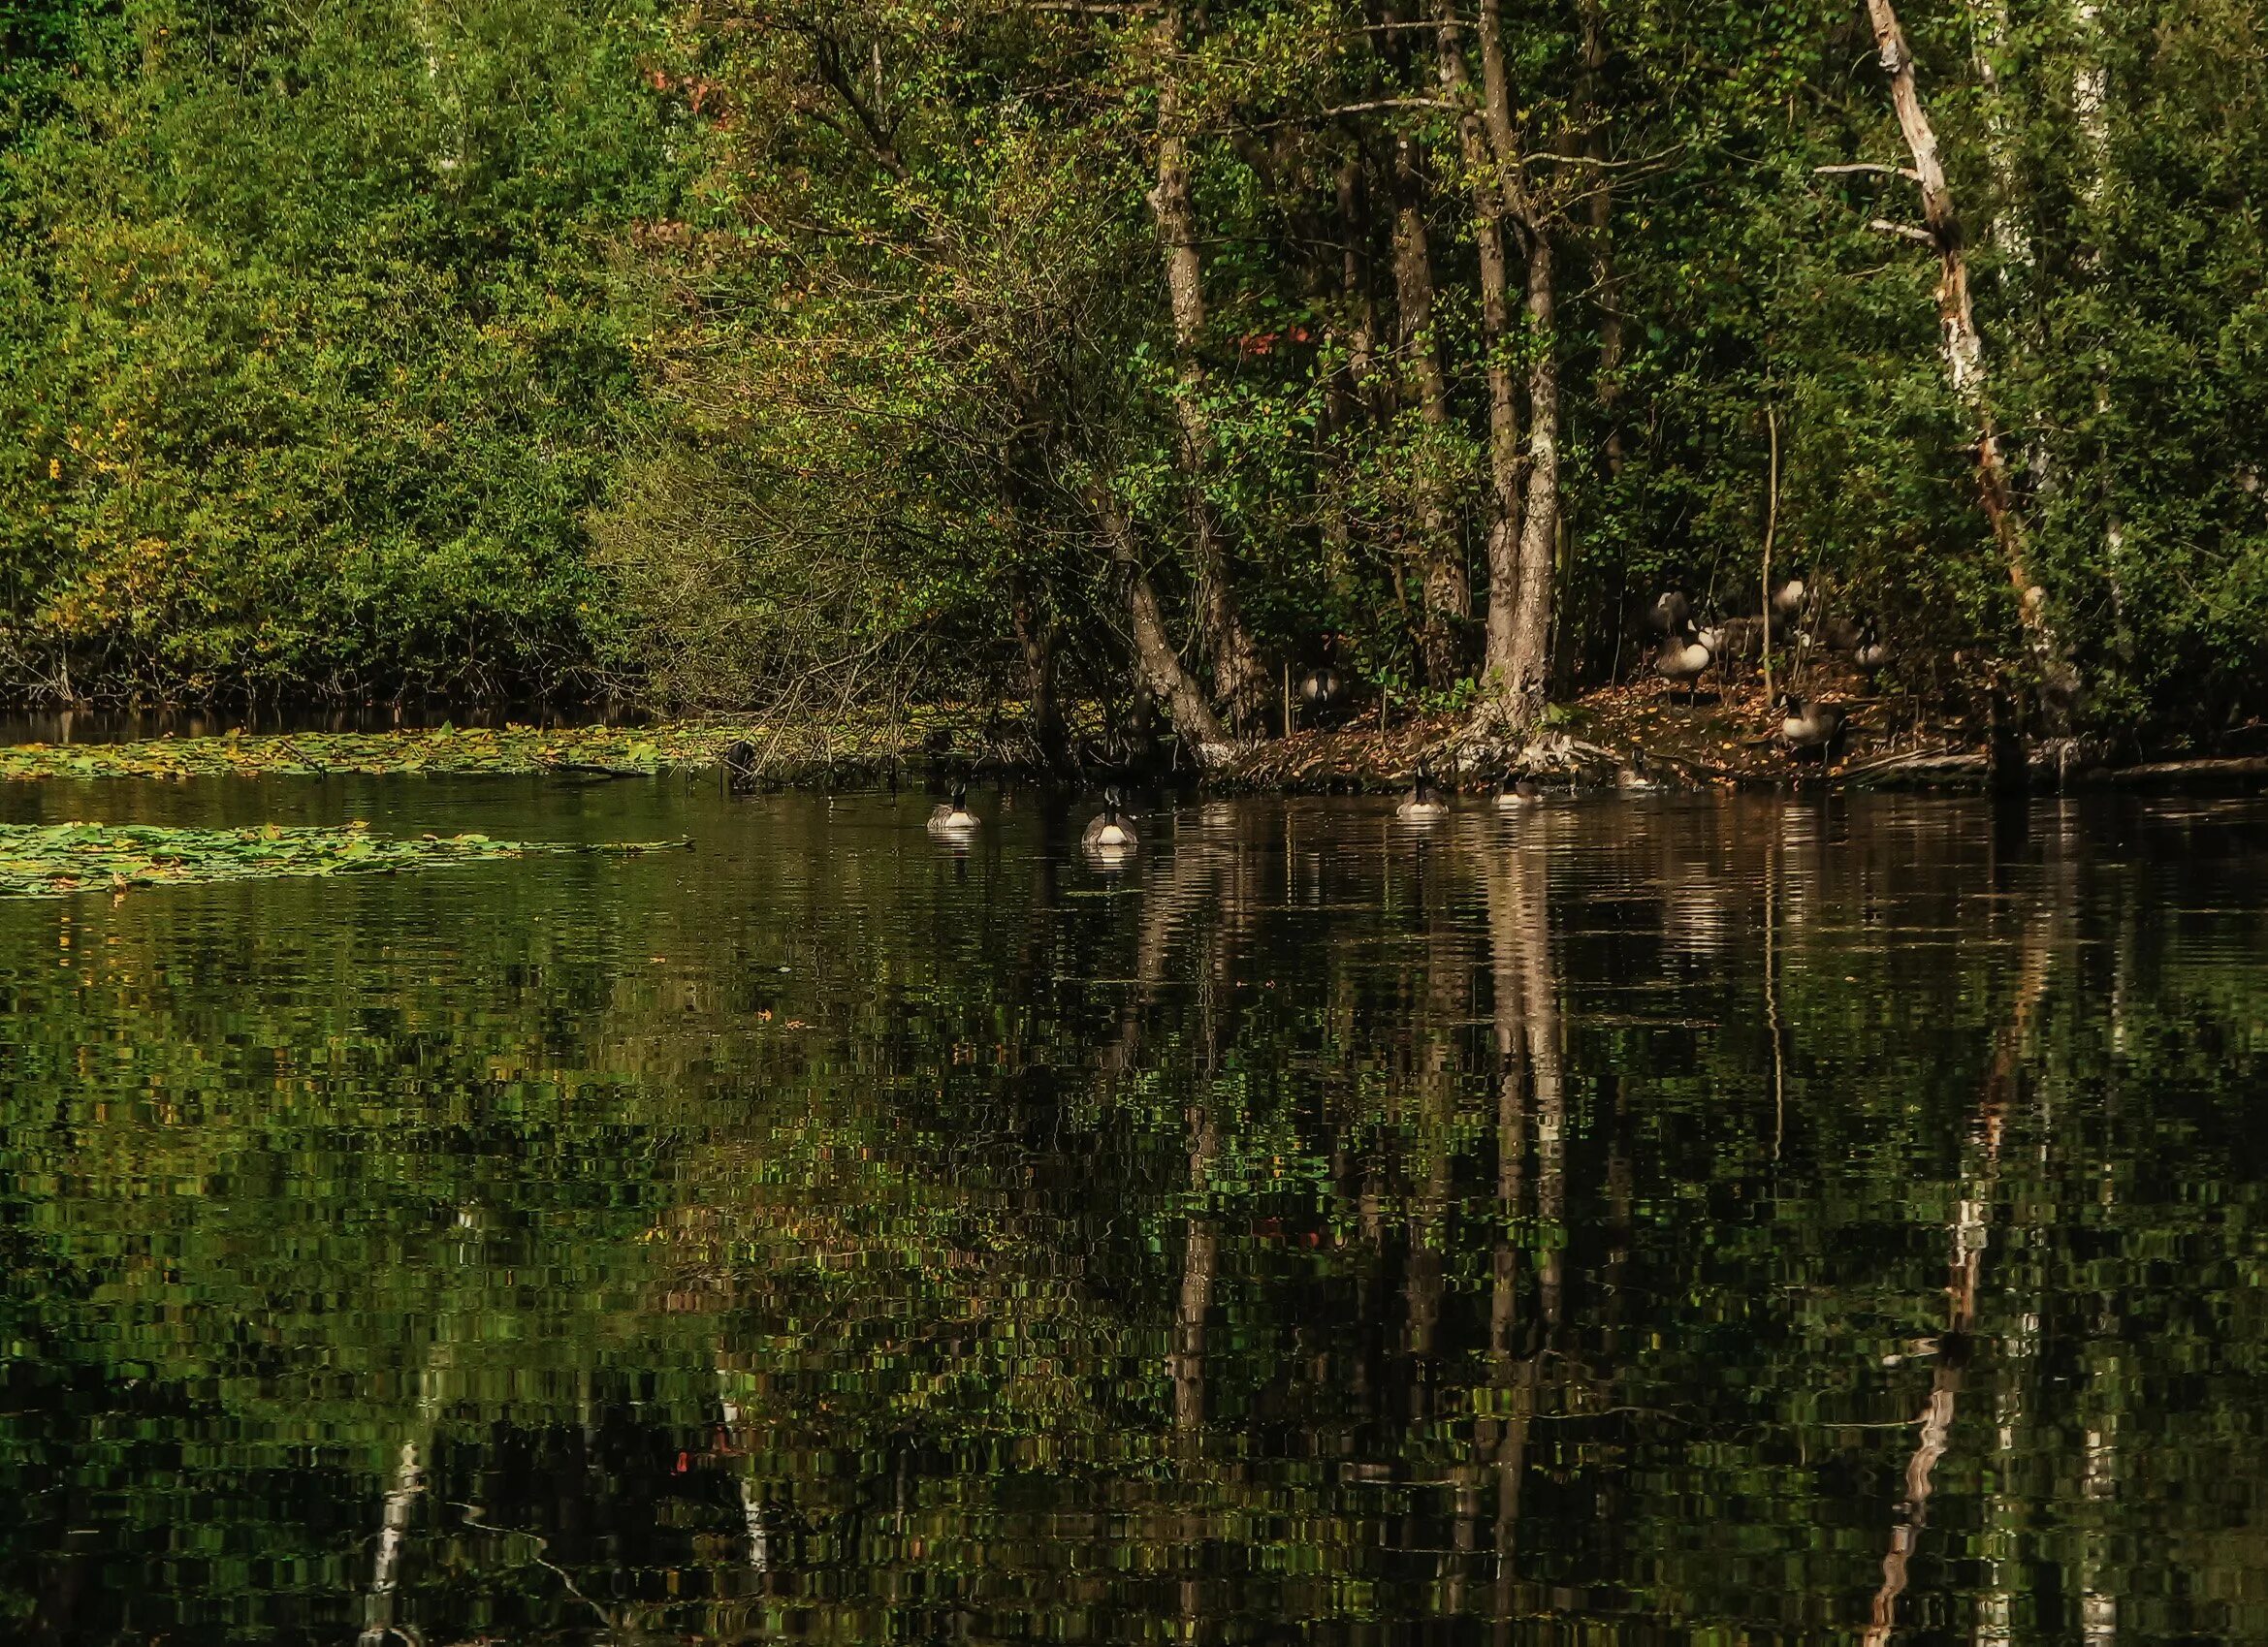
{"points": [[601, 750], [54, 859]]}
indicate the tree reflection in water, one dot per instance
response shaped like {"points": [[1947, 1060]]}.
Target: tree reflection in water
{"points": [[1750, 1218]]}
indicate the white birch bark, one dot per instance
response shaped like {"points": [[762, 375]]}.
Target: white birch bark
{"points": [[1965, 361]]}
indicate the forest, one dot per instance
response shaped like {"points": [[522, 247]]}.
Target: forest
{"points": [[1075, 353]]}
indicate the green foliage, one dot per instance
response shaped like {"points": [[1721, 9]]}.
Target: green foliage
{"points": [[798, 355], [307, 362]]}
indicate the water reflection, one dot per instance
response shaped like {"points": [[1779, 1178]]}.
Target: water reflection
{"points": [[1739, 1217]]}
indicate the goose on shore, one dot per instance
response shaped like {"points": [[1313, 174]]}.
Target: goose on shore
{"points": [[1808, 725], [1839, 634], [1681, 660], [1873, 651], [1424, 803], [1734, 639], [1323, 694], [1109, 832], [953, 818], [1788, 599], [1668, 612]]}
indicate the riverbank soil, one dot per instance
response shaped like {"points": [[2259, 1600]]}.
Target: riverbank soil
{"points": [[1726, 733]]}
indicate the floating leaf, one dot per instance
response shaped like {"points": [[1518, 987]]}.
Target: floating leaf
{"points": [[44, 860]]}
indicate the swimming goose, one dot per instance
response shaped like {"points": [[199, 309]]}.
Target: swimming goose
{"points": [[1637, 777], [1516, 792], [1109, 833], [953, 818], [1424, 803], [1809, 726]]}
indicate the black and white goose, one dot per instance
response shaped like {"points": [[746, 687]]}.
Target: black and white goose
{"points": [[952, 819], [1109, 832], [1424, 803], [1809, 726]]}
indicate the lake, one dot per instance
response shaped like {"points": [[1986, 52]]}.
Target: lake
{"points": [[1740, 1218]]}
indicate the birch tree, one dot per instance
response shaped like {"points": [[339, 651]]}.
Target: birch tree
{"points": [[1965, 358]]}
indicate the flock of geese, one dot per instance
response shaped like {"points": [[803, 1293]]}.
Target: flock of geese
{"points": [[1109, 832], [1686, 652], [1425, 801]]}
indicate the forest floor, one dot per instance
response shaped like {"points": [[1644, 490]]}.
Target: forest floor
{"points": [[1725, 734]]}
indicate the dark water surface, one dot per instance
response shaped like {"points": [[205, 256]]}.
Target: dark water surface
{"points": [[1728, 1221]]}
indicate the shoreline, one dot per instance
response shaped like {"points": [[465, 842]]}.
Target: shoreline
{"points": [[1636, 737]]}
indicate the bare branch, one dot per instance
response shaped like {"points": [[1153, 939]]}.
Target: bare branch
{"points": [[1377, 104], [1645, 162], [1870, 167], [827, 53], [1905, 230]]}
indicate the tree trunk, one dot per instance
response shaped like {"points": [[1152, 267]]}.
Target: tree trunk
{"points": [[1448, 602], [2091, 87], [1520, 670], [1495, 334], [1606, 290], [1156, 662], [1037, 647], [379, 1600], [1236, 666], [1529, 667], [1965, 363], [1347, 396], [2010, 229], [1201, 1246], [1355, 279]]}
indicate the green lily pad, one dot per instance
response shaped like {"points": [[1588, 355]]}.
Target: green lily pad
{"points": [[54, 860]]}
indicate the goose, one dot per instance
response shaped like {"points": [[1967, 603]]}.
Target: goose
{"points": [[1516, 792], [1809, 726], [1683, 661], [1730, 639], [1839, 634], [1637, 777], [1668, 612], [1109, 832], [953, 818], [1788, 599], [1874, 653], [1424, 803], [1322, 691], [739, 766]]}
